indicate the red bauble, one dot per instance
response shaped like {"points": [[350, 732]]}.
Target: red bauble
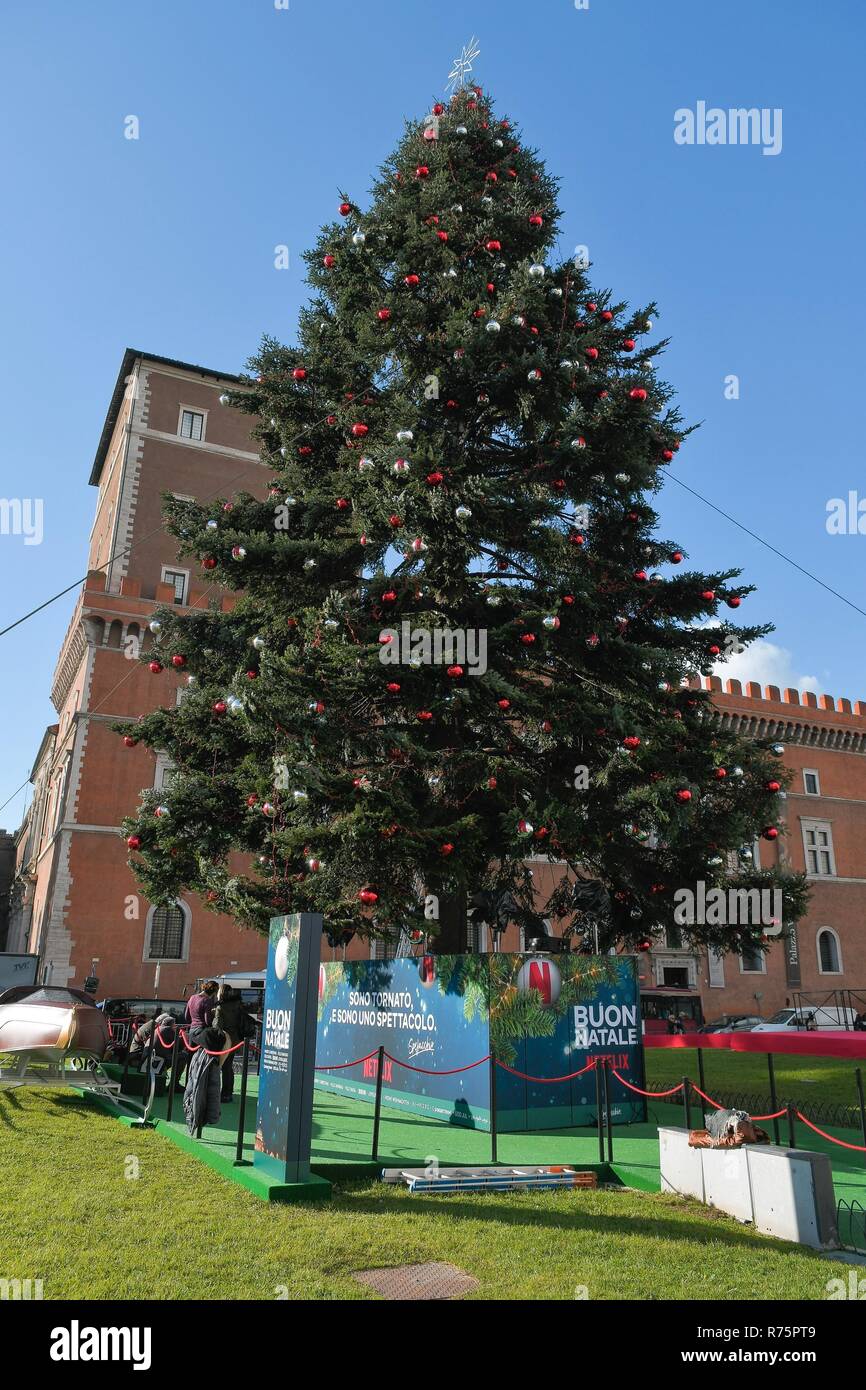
{"points": [[568, 599], [129, 741], [393, 687], [637, 394], [677, 557], [503, 703], [714, 650], [342, 504], [328, 261], [492, 784], [443, 236], [395, 520], [155, 667], [774, 786], [299, 374], [721, 772], [438, 109], [383, 315], [446, 849], [494, 245], [411, 280], [359, 430], [367, 896], [628, 345], [640, 576], [592, 353], [667, 455], [252, 675], [454, 672], [577, 539], [492, 176], [528, 638], [421, 171], [219, 706], [536, 220], [684, 794], [606, 315], [546, 727], [345, 209], [389, 596], [434, 479], [708, 595], [133, 842], [733, 602], [770, 833], [252, 799], [631, 741], [424, 716], [592, 307], [178, 661]]}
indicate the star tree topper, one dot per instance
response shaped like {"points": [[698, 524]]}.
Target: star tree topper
{"points": [[462, 67]]}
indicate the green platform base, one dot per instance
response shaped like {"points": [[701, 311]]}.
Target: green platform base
{"points": [[342, 1135]]}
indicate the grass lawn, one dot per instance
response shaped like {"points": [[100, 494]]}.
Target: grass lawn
{"points": [[800, 1079], [97, 1210]]}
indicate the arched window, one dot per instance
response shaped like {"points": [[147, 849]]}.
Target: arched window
{"points": [[166, 935], [829, 952], [115, 634]]}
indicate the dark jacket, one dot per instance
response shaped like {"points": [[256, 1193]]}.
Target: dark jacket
{"points": [[231, 1015], [201, 1097]]}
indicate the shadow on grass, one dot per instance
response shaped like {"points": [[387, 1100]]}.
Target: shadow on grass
{"points": [[655, 1224]]}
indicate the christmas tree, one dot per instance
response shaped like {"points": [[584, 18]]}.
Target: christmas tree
{"points": [[459, 640]]}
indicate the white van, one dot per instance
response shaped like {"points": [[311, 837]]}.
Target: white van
{"points": [[805, 1019]]}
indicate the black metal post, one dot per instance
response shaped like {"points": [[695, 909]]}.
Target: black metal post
{"points": [[608, 1124], [701, 1078], [149, 1057], [494, 1131], [687, 1109], [239, 1152], [172, 1080], [126, 1058], [792, 1132], [859, 1075], [377, 1110], [599, 1110], [774, 1104]]}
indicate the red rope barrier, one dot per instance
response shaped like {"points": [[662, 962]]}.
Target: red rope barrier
{"points": [[547, 1080], [655, 1094], [710, 1101], [860, 1149], [776, 1115], [424, 1071], [196, 1047], [340, 1066]]}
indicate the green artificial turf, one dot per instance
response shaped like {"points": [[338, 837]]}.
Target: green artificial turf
{"points": [[95, 1210], [803, 1080]]}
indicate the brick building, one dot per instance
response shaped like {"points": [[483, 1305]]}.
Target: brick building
{"points": [[824, 815], [75, 899]]}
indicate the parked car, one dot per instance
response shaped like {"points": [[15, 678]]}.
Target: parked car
{"points": [[805, 1019], [51, 1023], [733, 1023]]}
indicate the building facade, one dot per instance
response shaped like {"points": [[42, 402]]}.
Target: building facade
{"points": [[75, 901], [824, 817]]}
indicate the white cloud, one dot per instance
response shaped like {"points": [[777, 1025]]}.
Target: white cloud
{"points": [[768, 664]]}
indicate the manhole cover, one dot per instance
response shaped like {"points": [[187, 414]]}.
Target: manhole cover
{"points": [[427, 1281]]}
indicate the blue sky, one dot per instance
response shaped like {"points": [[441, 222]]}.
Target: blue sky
{"points": [[251, 119]]}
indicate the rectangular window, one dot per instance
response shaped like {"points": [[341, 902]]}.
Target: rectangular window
{"points": [[811, 783], [191, 424], [818, 847], [166, 934], [178, 579], [752, 961]]}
